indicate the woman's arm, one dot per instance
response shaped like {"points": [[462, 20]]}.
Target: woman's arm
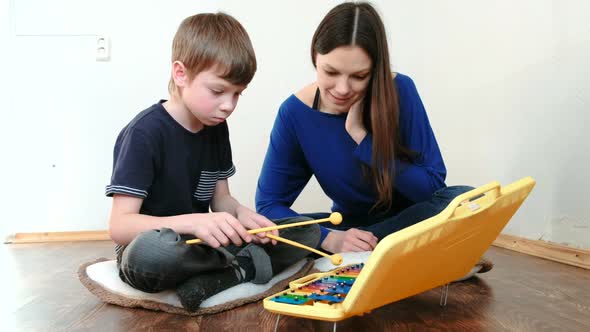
{"points": [[285, 171]]}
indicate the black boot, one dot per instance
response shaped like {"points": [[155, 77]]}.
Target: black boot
{"points": [[196, 289]]}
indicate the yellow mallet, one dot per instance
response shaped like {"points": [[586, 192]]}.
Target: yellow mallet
{"points": [[335, 218], [335, 259]]}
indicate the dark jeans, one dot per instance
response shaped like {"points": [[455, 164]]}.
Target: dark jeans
{"points": [[160, 259], [393, 221]]}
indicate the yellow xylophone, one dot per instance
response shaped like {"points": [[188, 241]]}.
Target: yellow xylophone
{"points": [[426, 255]]}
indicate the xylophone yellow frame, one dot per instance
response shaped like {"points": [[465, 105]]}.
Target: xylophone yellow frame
{"points": [[424, 256]]}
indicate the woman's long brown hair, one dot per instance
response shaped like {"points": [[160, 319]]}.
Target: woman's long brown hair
{"points": [[359, 24]]}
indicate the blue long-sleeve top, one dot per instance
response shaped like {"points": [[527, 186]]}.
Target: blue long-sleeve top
{"points": [[306, 142]]}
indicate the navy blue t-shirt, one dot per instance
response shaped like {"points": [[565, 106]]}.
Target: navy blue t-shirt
{"points": [[174, 170]]}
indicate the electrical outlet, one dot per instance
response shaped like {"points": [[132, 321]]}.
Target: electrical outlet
{"points": [[103, 48]]}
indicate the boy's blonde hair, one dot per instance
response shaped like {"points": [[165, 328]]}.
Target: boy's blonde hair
{"points": [[206, 40]]}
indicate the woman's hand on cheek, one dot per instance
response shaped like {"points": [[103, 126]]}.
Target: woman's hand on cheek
{"points": [[354, 122]]}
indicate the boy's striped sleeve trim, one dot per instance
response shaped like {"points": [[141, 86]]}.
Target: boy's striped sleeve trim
{"points": [[112, 189], [228, 173]]}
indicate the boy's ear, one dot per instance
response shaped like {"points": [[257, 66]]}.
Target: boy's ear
{"points": [[179, 74]]}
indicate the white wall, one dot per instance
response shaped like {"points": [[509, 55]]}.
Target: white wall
{"points": [[5, 110], [504, 84]]}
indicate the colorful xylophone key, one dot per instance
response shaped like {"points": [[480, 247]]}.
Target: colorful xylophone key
{"points": [[329, 289]]}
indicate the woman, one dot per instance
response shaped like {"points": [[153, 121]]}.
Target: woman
{"points": [[362, 131]]}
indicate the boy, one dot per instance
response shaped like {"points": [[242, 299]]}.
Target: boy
{"points": [[171, 165]]}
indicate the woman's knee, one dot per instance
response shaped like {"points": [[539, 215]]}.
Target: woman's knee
{"points": [[449, 193]]}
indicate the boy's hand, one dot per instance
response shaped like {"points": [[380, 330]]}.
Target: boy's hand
{"points": [[354, 122], [253, 220], [220, 229], [352, 240]]}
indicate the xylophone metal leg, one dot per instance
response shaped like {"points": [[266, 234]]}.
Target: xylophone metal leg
{"points": [[277, 323], [443, 295]]}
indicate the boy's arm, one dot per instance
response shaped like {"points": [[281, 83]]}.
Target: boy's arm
{"points": [[223, 201], [125, 223]]}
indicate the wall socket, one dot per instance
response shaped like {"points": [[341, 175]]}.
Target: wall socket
{"points": [[103, 48]]}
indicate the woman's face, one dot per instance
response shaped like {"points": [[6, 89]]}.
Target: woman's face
{"points": [[342, 76]]}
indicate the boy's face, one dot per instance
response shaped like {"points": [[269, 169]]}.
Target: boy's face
{"points": [[210, 98]]}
